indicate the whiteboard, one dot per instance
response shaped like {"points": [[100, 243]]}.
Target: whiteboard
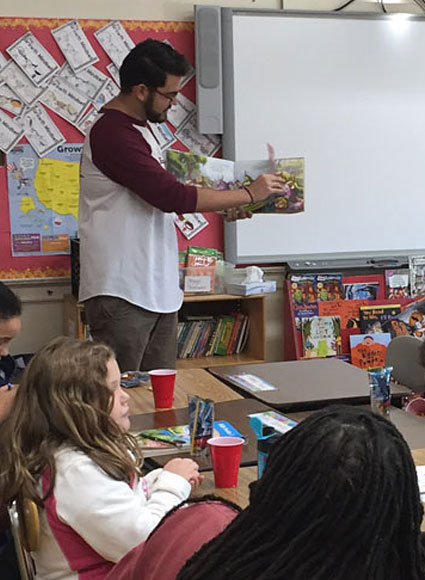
{"points": [[347, 93]]}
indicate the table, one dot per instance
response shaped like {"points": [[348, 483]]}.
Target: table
{"points": [[235, 412], [188, 381], [305, 384]]}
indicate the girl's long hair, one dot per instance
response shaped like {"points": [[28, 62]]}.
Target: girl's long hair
{"points": [[338, 500], [63, 399]]}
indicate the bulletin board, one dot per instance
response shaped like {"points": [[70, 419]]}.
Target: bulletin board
{"points": [[181, 36]]}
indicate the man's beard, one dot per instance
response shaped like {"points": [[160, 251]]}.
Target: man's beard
{"points": [[153, 116]]}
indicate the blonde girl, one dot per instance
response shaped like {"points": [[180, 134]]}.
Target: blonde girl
{"points": [[66, 445]]}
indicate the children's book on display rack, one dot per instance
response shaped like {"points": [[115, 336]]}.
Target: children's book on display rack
{"points": [[330, 312]]}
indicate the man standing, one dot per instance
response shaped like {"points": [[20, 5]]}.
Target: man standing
{"points": [[128, 244]]}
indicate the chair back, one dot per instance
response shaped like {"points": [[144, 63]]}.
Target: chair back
{"points": [[25, 526], [404, 355]]}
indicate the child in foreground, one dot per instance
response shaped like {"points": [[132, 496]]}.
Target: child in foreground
{"points": [[65, 445], [338, 500]]}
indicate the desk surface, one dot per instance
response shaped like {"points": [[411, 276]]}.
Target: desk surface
{"points": [[188, 381], [235, 412], [305, 384]]}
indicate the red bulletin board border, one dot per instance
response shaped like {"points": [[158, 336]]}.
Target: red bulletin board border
{"points": [[181, 35]]}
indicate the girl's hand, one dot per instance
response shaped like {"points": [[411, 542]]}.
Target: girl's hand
{"points": [[186, 468]]}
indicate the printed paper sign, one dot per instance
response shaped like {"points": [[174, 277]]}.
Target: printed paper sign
{"points": [[20, 83], [41, 131], [194, 141], [87, 121], [252, 382], [75, 46], [3, 60], [163, 134], [180, 112], [10, 132], [114, 72], [9, 101], [115, 41], [108, 92], [64, 100], [190, 224], [197, 283], [33, 59], [89, 82]]}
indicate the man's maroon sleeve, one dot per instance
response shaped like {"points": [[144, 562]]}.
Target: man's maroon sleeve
{"points": [[122, 154]]}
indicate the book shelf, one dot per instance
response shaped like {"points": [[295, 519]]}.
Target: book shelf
{"points": [[216, 304], [210, 304]]}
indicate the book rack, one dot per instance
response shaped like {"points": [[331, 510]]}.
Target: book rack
{"points": [[293, 343]]}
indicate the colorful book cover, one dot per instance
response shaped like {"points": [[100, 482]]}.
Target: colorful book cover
{"points": [[378, 318], [364, 287], [411, 320], [329, 287], [303, 290], [368, 350], [397, 283], [348, 310], [223, 174], [301, 313], [321, 336], [280, 423]]}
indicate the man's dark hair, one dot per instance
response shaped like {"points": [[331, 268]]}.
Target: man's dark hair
{"points": [[149, 62], [10, 305], [338, 500]]}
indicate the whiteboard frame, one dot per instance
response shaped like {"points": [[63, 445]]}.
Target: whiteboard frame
{"points": [[301, 261]]}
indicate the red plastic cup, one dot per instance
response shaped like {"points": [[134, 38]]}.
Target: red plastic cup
{"points": [[162, 381], [225, 458]]}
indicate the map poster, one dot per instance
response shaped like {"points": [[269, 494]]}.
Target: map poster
{"points": [[43, 199]]}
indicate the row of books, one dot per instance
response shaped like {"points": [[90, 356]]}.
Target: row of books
{"points": [[212, 335], [310, 289], [366, 333]]}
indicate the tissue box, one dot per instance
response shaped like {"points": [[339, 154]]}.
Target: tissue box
{"points": [[252, 288]]}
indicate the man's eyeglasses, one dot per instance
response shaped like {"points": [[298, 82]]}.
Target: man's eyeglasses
{"points": [[170, 96]]}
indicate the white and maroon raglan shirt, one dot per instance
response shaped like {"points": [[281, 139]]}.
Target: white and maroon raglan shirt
{"points": [[90, 520], [127, 204]]}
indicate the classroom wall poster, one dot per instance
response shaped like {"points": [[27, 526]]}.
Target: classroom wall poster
{"points": [[43, 199], [44, 63]]}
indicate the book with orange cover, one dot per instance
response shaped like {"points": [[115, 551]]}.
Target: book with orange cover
{"points": [[368, 350], [347, 310]]}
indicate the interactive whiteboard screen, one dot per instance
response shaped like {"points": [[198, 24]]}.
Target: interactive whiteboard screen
{"points": [[348, 95]]}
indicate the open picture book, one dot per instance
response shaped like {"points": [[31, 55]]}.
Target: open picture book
{"points": [[223, 174]]}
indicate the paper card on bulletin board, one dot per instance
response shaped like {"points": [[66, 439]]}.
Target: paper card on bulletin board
{"points": [[179, 34]]}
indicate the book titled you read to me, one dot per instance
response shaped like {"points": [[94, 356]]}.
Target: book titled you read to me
{"points": [[223, 174]]}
